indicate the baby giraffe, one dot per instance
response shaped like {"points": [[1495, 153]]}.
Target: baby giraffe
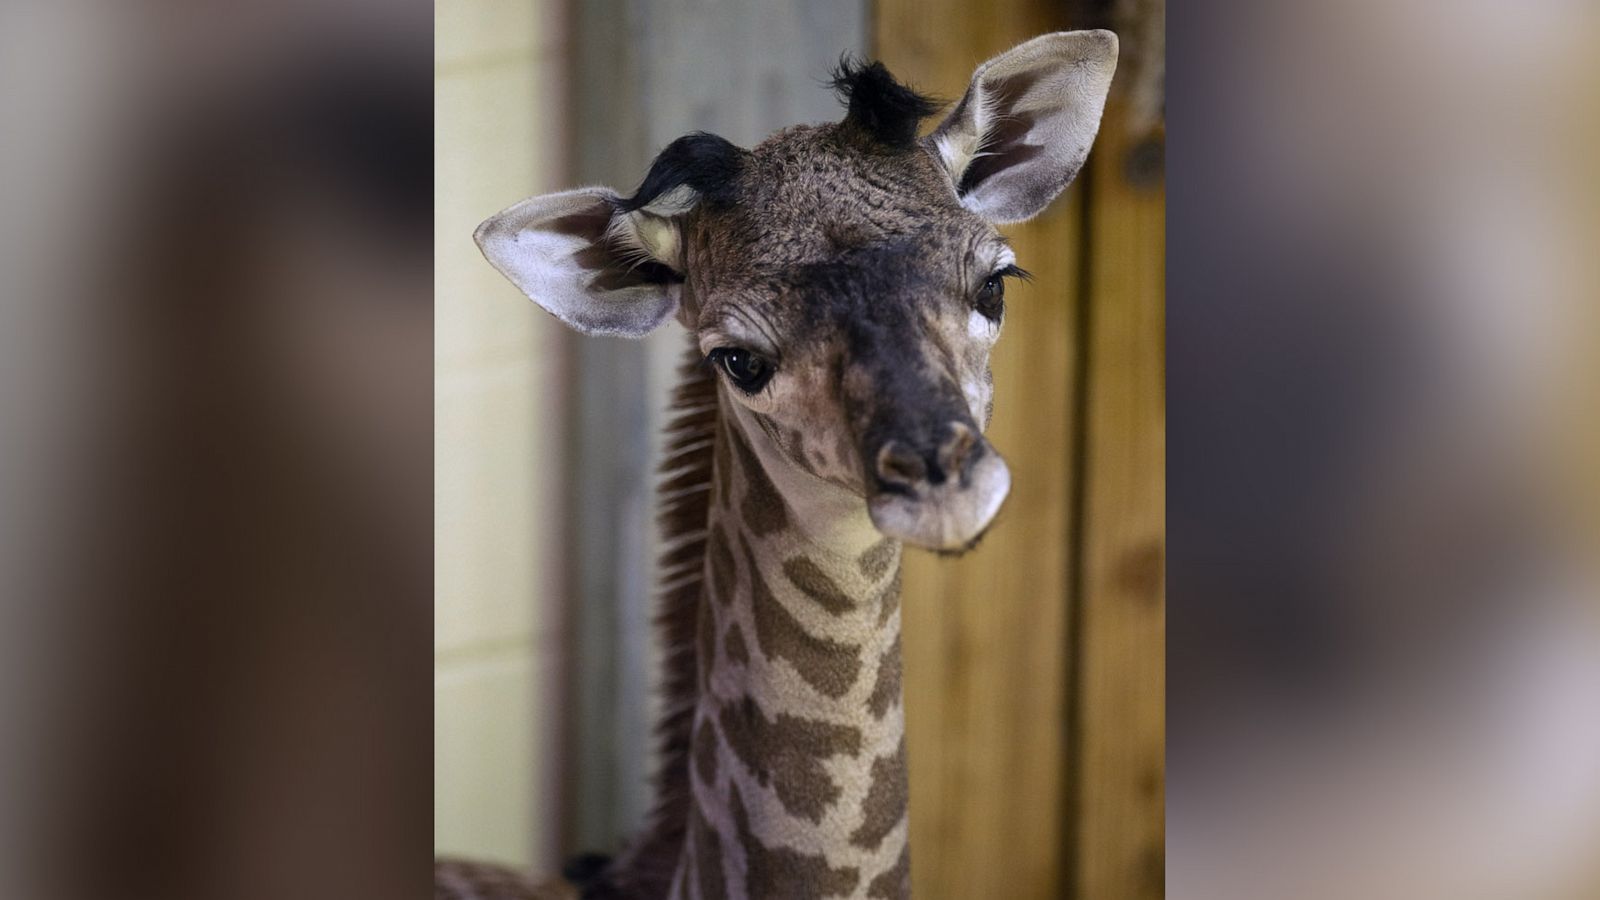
{"points": [[842, 286]]}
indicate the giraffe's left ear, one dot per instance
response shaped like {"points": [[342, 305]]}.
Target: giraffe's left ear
{"points": [[1025, 125], [582, 256]]}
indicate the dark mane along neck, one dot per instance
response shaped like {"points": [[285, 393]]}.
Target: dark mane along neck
{"points": [[645, 867]]}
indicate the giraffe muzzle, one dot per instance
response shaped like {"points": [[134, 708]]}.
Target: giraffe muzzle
{"points": [[941, 498]]}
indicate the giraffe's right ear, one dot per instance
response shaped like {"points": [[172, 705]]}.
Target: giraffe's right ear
{"points": [[594, 265]]}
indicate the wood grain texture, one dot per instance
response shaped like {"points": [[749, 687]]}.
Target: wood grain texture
{"points": [[985, 635], [1120, 702]]}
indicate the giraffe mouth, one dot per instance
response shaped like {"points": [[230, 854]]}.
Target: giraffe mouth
{"points": [[948, 517]]}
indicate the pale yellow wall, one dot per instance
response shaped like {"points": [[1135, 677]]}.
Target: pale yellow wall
{"points": [[498, 93]]}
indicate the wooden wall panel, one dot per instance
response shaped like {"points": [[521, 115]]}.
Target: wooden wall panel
{"points": [[985, 635], [1120, 699]]}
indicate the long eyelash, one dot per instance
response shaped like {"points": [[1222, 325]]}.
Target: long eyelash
{"points": [[1015, 271]]}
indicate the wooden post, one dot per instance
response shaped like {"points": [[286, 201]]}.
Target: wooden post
{"points": [[1120, 666]]}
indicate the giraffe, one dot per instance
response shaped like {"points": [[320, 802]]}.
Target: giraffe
{"points": [[842, 286]]}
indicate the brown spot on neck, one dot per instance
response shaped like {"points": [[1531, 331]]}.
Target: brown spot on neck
{"points": [[806, 575], [894, 883], [707, 857], [720, 560], [763, 509], [877, 559], [885, 804], [886, 687], [827, 665], [783, 873], [787, 753], [889, 600]]}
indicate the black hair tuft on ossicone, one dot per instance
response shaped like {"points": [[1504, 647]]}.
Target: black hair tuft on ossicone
{"points": [[707, 164], [886, 110]]}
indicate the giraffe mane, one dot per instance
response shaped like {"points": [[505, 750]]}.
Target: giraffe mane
{"points": [[646, 866]]}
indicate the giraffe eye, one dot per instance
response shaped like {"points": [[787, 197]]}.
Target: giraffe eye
{"points": [[991, 298], [748, 371]]}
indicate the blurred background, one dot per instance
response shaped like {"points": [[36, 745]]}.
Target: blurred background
{"points": [[1034, 665], [1384, 668], [215, 459]]}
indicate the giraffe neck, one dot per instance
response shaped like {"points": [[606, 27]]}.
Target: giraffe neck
{"points": [[798, 764]]}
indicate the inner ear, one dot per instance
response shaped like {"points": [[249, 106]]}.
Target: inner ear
{"points": [[1024, 127], [582, 257], [646, 239]]}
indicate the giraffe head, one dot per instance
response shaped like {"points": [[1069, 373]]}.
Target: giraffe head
{"points": [[846, 280]]}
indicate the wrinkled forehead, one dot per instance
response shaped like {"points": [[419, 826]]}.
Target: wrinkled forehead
{"points": [[827, 228]]}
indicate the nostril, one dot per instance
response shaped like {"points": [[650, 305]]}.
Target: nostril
{"points": [[957, 453], [899, 467]]}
